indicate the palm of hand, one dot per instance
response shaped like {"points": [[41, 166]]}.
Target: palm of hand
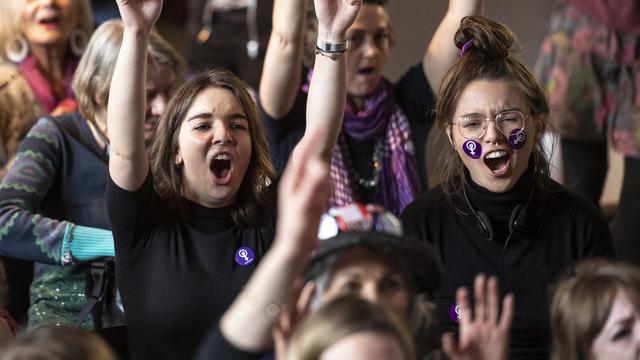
{"points": [[139, 13], [337, 15]]}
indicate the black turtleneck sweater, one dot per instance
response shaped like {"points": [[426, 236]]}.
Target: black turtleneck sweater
{"points": [[560, 229], [177, 277]]}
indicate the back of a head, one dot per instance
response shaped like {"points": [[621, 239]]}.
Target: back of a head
{"points": [[341, 318], [487, 52], [582, 303], [58, 343]]}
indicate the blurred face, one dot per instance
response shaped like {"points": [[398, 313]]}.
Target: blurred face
{"points": [[214, 148], [498, 165], [160, 82], [48, 22], [362, 273], [364, 345], [620, 337], [368, 45]]}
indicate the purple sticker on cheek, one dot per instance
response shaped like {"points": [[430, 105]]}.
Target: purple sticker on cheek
{"points": [[472, 148], [517, 139], [455, 312], [245, 256]]}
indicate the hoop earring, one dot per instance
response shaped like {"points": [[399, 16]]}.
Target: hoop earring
{"points": [[17, 49], [78, 42]]}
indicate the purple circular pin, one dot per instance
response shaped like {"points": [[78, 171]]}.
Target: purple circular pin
{"points": [[517, 139], [245, 256], [455, 312], [472, 148]]}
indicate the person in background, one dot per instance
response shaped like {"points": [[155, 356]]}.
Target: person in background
{"points": [[497, 211], [8, 327], [52, 205], [380, 153], [232, 34], [589, 63], [58, 343], [41, 42], [595, 313]]}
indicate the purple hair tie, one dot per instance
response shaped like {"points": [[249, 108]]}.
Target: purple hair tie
{"points": [[466, 46]]}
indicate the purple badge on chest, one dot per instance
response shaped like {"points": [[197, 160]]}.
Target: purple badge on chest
{"points": [[517, 139], [245, 256], [455, 312], [472, 148]]}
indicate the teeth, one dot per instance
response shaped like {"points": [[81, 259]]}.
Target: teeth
{"points": [[222, 157], [496, 154]]}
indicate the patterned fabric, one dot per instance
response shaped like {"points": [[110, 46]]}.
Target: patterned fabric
{"points": [[592, 73], [398, 183], [59, 173]]}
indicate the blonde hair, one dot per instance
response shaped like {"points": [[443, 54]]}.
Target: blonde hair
{"points": [[343, 317], [92, 78], [11, 11], [58, 343], [582, 303]]}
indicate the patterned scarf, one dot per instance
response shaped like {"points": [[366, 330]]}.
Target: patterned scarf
{"points": [[41, 87], [398, 180]]}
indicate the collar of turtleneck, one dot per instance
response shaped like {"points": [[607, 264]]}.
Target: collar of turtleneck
{"points": [[500, 205]]}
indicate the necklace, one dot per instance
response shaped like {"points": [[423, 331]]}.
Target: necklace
{"points": [[378, 151]]}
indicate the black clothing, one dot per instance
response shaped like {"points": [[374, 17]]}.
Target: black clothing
{"points": [[586, 167], [413, 95], [560, 229], [215, 346], [625, 226], [177, 277]]}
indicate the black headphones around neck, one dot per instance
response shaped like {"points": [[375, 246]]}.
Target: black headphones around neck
{"points": [[517, 219]]}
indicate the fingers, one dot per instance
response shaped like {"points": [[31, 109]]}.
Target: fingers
{"points": [[479, 297], [450, 346], [493, 296], [462, 300], [304, 302], [508, 307]]}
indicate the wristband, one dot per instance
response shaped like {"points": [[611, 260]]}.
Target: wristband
{"points": [[331, 48]]}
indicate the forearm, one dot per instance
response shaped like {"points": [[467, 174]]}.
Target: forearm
{"points": [[128, 163], [441, 52], [327, 98], [261, 300], [281, 75]]}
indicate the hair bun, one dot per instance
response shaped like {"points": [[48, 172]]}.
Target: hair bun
{"points": [[490, 39]]}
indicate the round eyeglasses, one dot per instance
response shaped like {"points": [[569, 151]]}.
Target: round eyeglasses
{"points": [[474, 126]]}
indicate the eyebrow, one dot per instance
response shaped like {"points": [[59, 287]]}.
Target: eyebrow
{"points": [[207, 115], [515, 108]]}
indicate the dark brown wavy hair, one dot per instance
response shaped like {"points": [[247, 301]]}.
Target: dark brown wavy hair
{"points": [[491, 57], [168, 180]]}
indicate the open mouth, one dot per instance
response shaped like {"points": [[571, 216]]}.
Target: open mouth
{"points": [[221, 168], [50, 21], [366, 70], [497, 161]]}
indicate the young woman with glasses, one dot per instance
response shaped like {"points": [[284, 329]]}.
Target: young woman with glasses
{"points": [[497, 211]]}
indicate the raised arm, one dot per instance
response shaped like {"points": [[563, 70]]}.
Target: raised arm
{"points": [[328, 88], [441, 52], [128, 163], [280, 81], [303, 194]]}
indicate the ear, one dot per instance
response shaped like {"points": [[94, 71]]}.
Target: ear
{"points": [[450, 137], [178, 160]]}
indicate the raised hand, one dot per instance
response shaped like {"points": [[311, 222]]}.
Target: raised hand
{"points": [[483, 335], [335, 17], [139, 14]]}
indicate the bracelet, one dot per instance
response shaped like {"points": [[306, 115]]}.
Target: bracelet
{"points": [[330, 48], [331, 55]]}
